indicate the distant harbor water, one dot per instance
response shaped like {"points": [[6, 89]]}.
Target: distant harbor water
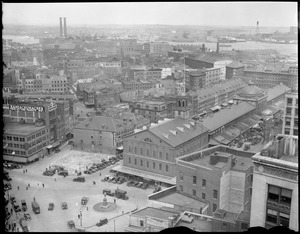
{"points": [[285, 49], [22, 39]]}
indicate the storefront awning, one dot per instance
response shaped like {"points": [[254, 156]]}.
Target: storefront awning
{"points": [[15, 158], [49, 146], [145, 174], [215, 108]]}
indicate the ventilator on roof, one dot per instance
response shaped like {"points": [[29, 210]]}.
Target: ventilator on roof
{"points": [[180, 129], [173, 132]]}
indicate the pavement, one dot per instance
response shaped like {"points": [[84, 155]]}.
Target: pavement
{"points": [[58, 189]]}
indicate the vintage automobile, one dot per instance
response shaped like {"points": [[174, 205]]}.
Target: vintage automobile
{"points": [[64, 205], [102, 221], [84, 200], [51, 206], [71, 224], [108, 192], [79, 179], [121, 194]]}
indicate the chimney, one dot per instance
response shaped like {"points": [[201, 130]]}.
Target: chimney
{"points": [[61, 27], [65, 27], [218, 47]]}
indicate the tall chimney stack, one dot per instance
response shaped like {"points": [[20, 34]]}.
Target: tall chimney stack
{"points": [[61, 27], [65, 27]]}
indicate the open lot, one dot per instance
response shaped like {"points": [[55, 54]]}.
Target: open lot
{"points": [[58, 189]]}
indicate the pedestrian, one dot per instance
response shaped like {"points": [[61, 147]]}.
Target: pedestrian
{"points": [[100, 173], [26, 188], [78, 216], [26, 170], [114, 200], [43, 185], [18, 188], [38, 184], [55, 179], [122, 211], [87, 208], [28, 185], [34, 198]]}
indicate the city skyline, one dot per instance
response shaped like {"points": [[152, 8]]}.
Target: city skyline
{"points": [[269, 14]]}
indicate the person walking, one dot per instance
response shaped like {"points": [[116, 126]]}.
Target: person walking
{"points": [[87, 208], [43, 185], [18, 188], [28, 185], [26, 170]]}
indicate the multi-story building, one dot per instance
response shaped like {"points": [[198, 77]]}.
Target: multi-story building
{"points": [[101, 134], [209, 61], [64, 119], [157, 48], [277, 93], [107, 96], [126, 47], [144, 74], [137, 85], [24, 142], [220, 176], [31, 111], [59, 83], [234, 69], [290, 116], [266, 80], [275, 184], [195, 79], [293, 70], [212, 76], [218, 94], [151, 153], [152, 110]]}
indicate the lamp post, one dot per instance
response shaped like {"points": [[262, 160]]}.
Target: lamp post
{"points": [[80, 218], [114, 225]]}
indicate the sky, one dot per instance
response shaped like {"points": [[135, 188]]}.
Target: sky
{"points": [[269, 14]]}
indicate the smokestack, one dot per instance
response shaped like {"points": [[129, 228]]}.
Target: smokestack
{"points": [[61, 27], [218, 47], [65, 27]]}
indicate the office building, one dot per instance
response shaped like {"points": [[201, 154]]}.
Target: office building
{"points": [[275, 184], [290, 116]]}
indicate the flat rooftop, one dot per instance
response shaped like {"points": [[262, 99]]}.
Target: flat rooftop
{"points": [[179, 199], [21, 129], [198, 225], [155, 212]]}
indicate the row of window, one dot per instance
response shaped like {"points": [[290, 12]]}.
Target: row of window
{"points": [[147, 151], [203, 195], [148, 164]]}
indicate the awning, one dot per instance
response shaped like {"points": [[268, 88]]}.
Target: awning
{"points": [[120, 148], [15, 158], [55, 144], [145, 174], [230, 101], [224, 104], [49, 146]]}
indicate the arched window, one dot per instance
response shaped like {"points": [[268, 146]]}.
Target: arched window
{"points": [[179, 103]]}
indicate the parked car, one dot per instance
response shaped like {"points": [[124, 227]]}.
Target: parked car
{"points": [[102, 221], [130, 183], [7, 187], [84, 200], [139, 185], [105, 178], [145, 186], [71, 224], [64, 205], [79, 179], [24, 205], [63, 173], [110, 179], [27, 216], [108, 192], [17, 208], [49, 172], [121, 194], [51, 206], [57, 150], [87, 172]]}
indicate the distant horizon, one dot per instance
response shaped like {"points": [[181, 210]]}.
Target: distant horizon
{"points": [[229, 14]]}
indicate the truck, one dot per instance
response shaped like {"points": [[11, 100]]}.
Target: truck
{"points": [[121, 194], [35, 207], [24, 205]]}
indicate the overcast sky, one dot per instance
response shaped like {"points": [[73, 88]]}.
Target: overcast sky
{"points": [[270, 14]]}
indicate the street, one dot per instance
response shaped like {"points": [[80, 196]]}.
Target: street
{"points": [[58, 189]]}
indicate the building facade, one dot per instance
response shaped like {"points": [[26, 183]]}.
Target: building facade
{"points": [[275, 184], [219, 176], [290, 116]]}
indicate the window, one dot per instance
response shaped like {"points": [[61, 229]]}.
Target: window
{"points": [[154, 154], [203, 196], [203, 183], [16, 138], [289, 101], [22, 139], [142, 223], [224, 225], [288, 110], [153, 165], [214, 207], [215, 194], [129, 160], [167, 168], [194, 192], [129, 149], [160, 166], [135, 150], [141, 162], [295, 132], [141, 150], [9, 138], [91, 137], [286, 196], [288, 123], [181, 176], [273, 194], [181, 188], [160, 155], [167, 156], [147, 164], [147, 152], [135, 161]]}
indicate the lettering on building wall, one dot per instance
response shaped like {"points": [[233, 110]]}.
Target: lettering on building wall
{"points": [[26, 108]]}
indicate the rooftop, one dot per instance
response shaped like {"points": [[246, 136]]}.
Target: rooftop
{"points": [[277, 91], [21, 129], [199, 225], [155, 212], [227, 115], [228, 216], [218, 156], [177, 131], [210, 58], [235, 64]]}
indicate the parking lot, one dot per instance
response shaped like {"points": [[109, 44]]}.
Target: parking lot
{"points": [[58, 189]]}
